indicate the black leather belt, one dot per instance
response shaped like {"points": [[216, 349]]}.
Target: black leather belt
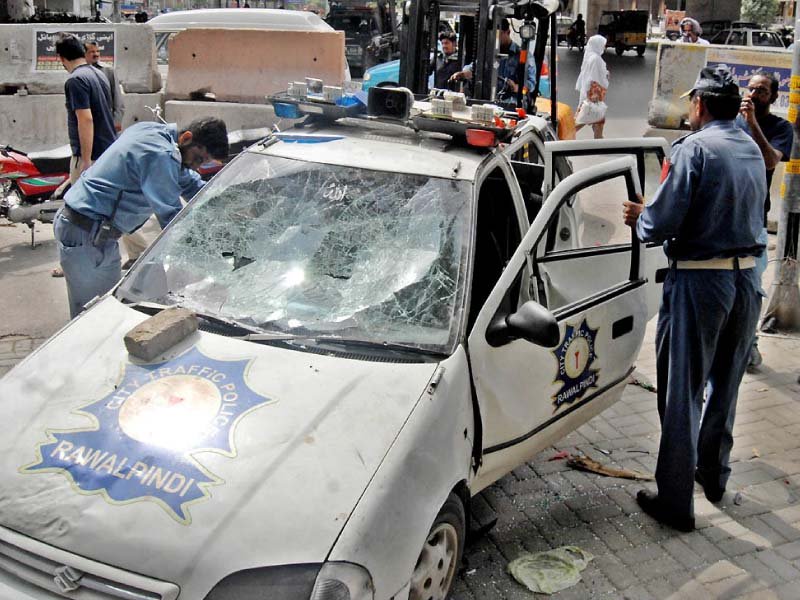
{"points": [[86, 223]]}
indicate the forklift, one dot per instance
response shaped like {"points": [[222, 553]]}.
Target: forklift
{"points": [[478, 22]]}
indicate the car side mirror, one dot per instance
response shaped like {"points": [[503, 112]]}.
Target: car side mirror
{"points": [[532, 322]]}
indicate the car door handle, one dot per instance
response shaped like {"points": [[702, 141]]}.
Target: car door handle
{"points": [[621, 327]]}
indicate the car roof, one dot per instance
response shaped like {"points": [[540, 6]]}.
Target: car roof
{"points": [[239, 18], [383, 147]]}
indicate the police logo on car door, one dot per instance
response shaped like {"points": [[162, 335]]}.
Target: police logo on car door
{"points": [[575, 355]]}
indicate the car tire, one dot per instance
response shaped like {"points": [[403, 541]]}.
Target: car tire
{"points": [[619, 49], [640, 50], [441, 553]]}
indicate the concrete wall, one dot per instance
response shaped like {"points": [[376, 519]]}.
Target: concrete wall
{"points": [[236, 115], [265, 62], [135, 60], [39, 122], [33, 123], [677, 66]]}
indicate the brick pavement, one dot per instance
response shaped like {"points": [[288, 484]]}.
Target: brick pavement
{"points": [[747, 547]]}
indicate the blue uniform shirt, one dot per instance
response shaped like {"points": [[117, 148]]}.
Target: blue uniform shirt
{"points": [[142, 171], [711, 203]]}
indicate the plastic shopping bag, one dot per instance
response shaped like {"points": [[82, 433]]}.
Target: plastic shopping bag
{"points": [[590, 112]]}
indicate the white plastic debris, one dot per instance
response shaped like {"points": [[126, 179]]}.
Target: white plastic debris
{"points": [[551, 571]]}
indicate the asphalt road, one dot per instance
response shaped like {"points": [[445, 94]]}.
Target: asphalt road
{"points": [[34, 303]]}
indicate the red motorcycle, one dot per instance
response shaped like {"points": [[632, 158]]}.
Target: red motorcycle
{"points": [[28, 182]]}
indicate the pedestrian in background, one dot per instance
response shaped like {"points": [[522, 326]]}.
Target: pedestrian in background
{"points": [[117, 101], [708, 212], [144, 172], [774, 137], [90, 123], [592, 85], [691, 32]]}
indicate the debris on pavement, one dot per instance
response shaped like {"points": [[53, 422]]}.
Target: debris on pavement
{"points": [[738, 499], [756, 453], [584, 463], [559, 455], [633, 380], [550, 571]]}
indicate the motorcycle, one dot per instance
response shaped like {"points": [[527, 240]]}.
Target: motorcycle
{"points": [[28, 182], [575, 40]]}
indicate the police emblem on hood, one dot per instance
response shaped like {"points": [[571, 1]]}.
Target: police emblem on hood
{"points": [[575, 355], [147, 431]]}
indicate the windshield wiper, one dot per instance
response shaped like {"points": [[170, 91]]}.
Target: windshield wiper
{"points": [[377, 345], [229, 325]]}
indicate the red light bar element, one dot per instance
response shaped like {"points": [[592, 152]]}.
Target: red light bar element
{"points": [[480, 138], [521, 112]]}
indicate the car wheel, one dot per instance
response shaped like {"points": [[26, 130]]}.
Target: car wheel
{"points": [[640, 50], [619, 49], [441, 554]]}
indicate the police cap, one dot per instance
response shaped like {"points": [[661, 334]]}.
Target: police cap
{"points": [[717, 80]]}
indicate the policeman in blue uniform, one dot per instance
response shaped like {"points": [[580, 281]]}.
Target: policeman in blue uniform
{"points": [[708, 212], [145, 171]]}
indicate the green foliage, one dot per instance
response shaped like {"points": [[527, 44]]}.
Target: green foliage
{"points": [[760, 11]]}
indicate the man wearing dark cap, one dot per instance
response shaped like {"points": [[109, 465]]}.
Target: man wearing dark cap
{"points": [[708, 213]]}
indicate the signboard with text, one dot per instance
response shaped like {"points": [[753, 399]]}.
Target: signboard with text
{"points": [[45, 42], [744, 63]]}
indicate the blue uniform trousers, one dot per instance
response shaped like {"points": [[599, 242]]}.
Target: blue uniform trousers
{"points": [[89, 270], [706, 326]]}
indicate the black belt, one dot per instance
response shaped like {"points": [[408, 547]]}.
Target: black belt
{"points": [[86, 223]]}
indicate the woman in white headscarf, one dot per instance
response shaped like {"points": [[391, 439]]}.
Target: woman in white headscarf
{"points": [[592, 81]]}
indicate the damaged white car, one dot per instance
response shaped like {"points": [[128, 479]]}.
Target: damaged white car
{"points": [[389, 321]]}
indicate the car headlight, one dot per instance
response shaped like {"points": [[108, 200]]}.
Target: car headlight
{"points": [[343, 581], [330, 581], [367, 76]]}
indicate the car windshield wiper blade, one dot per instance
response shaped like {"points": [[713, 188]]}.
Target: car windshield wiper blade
{"points": [[377, 345], [229, 324]]}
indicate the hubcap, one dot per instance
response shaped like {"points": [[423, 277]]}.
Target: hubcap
{"points": [[436, 565]]}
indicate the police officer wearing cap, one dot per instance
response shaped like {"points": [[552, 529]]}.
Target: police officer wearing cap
{"points": [[145, 171], [708, 212]]}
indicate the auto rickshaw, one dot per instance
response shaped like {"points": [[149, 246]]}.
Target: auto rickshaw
{"points": [[625, 30]]}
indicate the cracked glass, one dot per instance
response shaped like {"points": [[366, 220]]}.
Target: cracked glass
{"points": [[312, 249]]}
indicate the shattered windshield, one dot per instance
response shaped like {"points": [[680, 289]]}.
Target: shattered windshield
{"points": [[313, 249]]}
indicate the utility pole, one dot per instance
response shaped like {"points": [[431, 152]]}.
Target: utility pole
{"points": [[783, 309]]}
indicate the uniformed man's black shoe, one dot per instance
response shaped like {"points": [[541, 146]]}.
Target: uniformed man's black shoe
{"points": [[650, 504], [713, 492]]}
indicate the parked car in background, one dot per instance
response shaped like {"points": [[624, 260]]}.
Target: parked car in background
{"points": [[714, 26], [563, 23], [760, 38]]}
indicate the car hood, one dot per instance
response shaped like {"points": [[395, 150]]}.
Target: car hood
{"points": [[225, 455]]}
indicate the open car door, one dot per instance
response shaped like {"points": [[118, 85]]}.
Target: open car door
{"points": [[543, 367], [650, 155]]}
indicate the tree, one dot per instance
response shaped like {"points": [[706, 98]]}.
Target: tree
{"points": [[762, 12]]}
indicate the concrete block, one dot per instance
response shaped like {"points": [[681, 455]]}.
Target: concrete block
{"points": [[33, 123], [677, 66], [134, 57], [200, 59], [136, 107], [159, 333], [236, 115]]}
